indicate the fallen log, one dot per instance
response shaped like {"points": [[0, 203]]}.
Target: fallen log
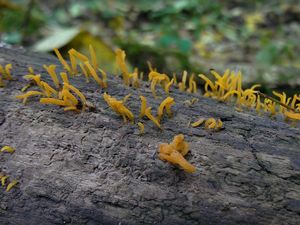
{"points": [[92, 168]]}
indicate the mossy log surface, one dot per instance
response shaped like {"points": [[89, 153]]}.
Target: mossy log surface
{"points": [[92, 168]]}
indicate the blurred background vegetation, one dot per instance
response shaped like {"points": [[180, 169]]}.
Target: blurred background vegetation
{"points": [[261, 38]]}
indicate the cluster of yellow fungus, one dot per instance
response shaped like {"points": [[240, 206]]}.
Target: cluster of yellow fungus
{"points": [[209, 123], [89, 67], [230, 84], [4, 178], [5, 74], [175, 152], [119, 107], [65, 95]]}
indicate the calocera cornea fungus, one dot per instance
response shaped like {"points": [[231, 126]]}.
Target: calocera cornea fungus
{"points": [[198, 122], [3, 180], [165, 105], [118, 107], [29, 94], [51, 71], [158, 78], [11, 185], [143, 106], [120, 60], [62, 61], [8, 149], [151, 117], [192, 84], [5, 74], [182, 84], [141, 127], [175, 152]]}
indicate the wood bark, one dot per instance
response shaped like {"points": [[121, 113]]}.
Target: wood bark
{"points": [[92, 168]]}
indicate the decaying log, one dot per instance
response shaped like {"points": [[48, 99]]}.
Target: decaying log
{"points": [[92, 168]]}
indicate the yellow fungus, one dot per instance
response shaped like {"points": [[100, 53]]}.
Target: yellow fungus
{"points": [[28, 94], [62, 61], [167, 87], [151, 117], [94, 74], [292, 115], [7, 149], [174, 153], [73, 64], [64, 77], [165, 104], [192, 85], [156, 78], [93, 57], [198, 122], [11, 185], [48, 89], [141, 127], [7, 73], [51, 70], [36, 78], [118, 107], [150, 66], [3, 180], [77, 92], [85, 73], [210, 123], [182, 84], [66, 93], [70, 108], [143, 106], [120, 59], [125, 99], [52, 101], [31, 70], [78, 55], [104, 77], [175, 78], [219, 125]]}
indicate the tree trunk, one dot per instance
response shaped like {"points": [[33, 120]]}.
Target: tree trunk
{"points": [[92, 168]]}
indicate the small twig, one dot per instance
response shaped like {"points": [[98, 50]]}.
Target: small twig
{"points": [[275, 100]]}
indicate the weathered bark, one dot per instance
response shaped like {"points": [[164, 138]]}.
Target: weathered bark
{"points": [[91, 168]]}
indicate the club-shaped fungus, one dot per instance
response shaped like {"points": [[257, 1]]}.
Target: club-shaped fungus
{"points": [[118, 107], [165, 105], [94, 74], [5, 74], [158, 78], [175, 152], [192, 84], [7, 149], [143, 106], [141, 127], [3, 180], [29, 94], [51, 71], [62, 61], [11, 185], [198, 122], [182, 84], [120, 60], [151, 117]]}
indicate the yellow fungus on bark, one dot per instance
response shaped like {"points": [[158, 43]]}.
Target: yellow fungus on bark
{"points": [[118, 107], [8, 149], [125, 99], [141, 127], [85, 73], [120, 59], [78, 55], [3, 180], [48, 90], [210, 123], [52, 101], [292, 115], [143, 106], [51, 70], [73, 64], [104, 77], [151, 117], [28, 94], [198, 122], [168, 85], [77, 92], [174, 153], [64, 77], [7, 73], [165, 104], [182, 84], [11, 185], [93, 57], [62, 61], [94, 74]]}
